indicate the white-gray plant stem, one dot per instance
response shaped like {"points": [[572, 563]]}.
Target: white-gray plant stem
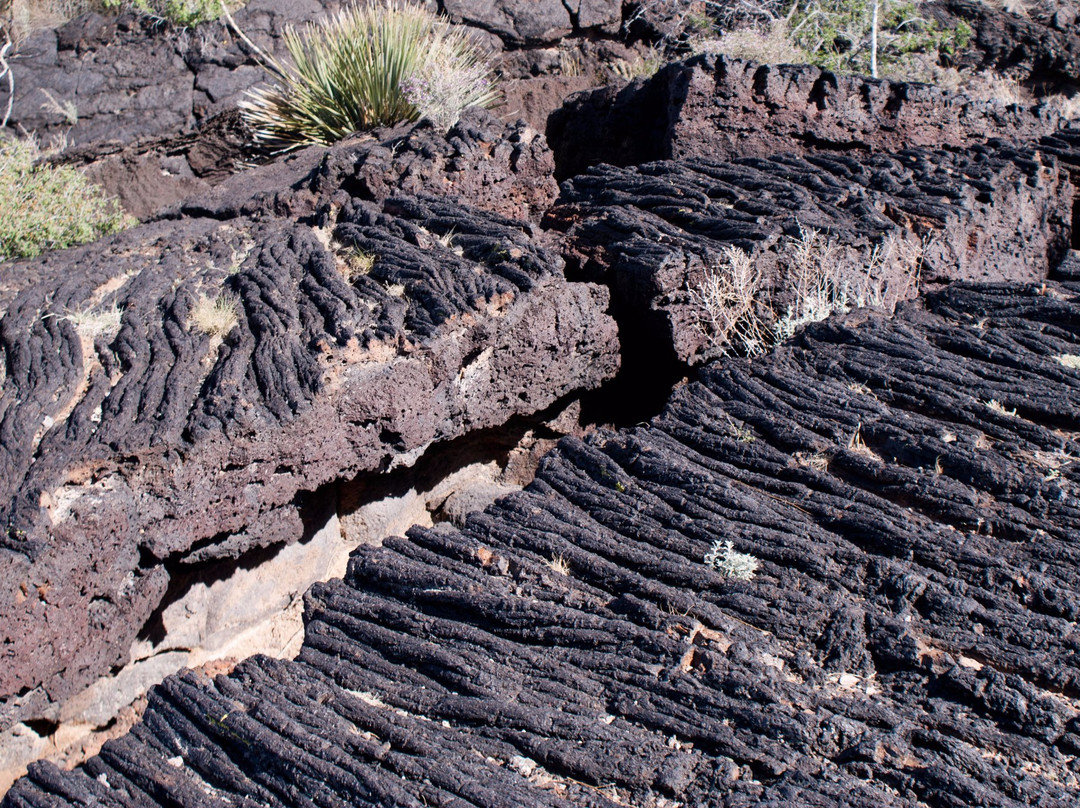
{"points": [[5, 72], [873, 41]]}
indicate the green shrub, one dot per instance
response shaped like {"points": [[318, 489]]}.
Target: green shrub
{"points": [[48, 207], [183, 13], [368, 67], [837, 34], [834, 34]]}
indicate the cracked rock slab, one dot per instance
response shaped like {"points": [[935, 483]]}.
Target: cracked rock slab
{"points": [[653, 231], [171, 393], [909, 488], [721, 108]]}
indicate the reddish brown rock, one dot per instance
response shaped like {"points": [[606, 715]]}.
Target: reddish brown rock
{"points": [[720, 108], [134, 439]]}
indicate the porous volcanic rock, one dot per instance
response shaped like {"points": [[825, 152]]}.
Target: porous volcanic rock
{"points": [[909, 490], [137, 435], [722, 108], [128, 77], [504, 169], [1040, 49], [536, 22], [1064, 144], [152, 175], [651, 231]]}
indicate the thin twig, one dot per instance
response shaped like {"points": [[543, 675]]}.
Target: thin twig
{"points": [[268, 61], [6, 71]]}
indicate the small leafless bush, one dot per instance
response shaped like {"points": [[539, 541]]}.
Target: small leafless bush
{"points": [[817, 276], [727, 300], [824, 285]]}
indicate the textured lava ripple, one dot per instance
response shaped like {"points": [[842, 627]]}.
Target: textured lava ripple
{"points": [[909, 486]]}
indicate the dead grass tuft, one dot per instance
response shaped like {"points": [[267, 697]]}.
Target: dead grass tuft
{"points": [[216, 316], [818, 461], [857, 445], [558, 565], [91, 322], [771, 47]]}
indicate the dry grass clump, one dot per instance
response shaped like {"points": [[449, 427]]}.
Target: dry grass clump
{"points": [[738, 318], [1066, 106], [818, 461], [365, 67], [215, 316], [355, 264], [91, 322], [772, 45], [858, 445], [558, 564], [1021, 8], [44, 207]]}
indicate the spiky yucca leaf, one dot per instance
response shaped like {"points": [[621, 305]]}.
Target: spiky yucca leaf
{"points": [[348, 75]]}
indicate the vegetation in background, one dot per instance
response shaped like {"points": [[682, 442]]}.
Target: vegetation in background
{"points": [[839, 35], [45, 207], [368, 67], [183, 13], [23, 17]]}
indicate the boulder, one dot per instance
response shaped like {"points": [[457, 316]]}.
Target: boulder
{"points": [[127, 78], [169, 394], [536, 22], [722, 108], [1038, 48], [151, 175]]}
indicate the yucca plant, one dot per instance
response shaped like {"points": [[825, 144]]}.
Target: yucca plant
{"points": [[367, 67]]}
